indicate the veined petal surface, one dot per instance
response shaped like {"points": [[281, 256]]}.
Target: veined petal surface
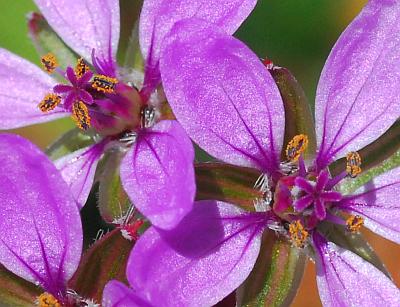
{"points": [[23, 86], [207, 256], [40, 224], [345, 279], [85, 25], [378, 203], [158, 17], [358, 95], [158, 174], [223, 95], [116, 294], [78, 170]]}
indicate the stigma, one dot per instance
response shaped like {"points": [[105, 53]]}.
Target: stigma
{"points": [[81, 68], [353, 164], [80, 115], [49, 103], [47, 300], [298, 234], [104, 84], [296, 147], [49, 62], [354, 223]]}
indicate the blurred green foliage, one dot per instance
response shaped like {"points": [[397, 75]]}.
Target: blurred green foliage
{"points": [[294, 34]]}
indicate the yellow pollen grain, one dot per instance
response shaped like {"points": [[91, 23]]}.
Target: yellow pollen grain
{"points": [[296, 147], [81, 68], [49, 62], [49, 102], [47, 300], [298, 234], [353, 164], [104, 84], [80, 115], [354, 223]]}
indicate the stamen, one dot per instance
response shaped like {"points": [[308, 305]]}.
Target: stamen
{"points": [[353, 164], [47, 300], [80, 115], [148, 115], [298, 234], [50, 102], [49, 62], [296, 147], [354, 223], [81, 67], [104, 84]]}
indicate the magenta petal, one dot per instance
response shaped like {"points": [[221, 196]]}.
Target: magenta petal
{"points": [[23, 86], [378, 202], [41, 234], [201, 261], [358, 96], [85, 25], [345, 279], [116, 294], [223, 95], [78, 170], [158, 17], [158, 174]]}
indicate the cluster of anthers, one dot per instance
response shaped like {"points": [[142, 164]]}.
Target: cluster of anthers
{"points": [[84, 87], [73, 299], [302, 197]]}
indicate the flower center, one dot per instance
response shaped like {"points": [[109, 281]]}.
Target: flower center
{"points": [[47, 300], [303, 196], [94, 100]]}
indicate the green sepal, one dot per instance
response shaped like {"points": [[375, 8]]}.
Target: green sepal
{"points": [[276, 275], [46, 40], [354, 242], [113, 202], [229, 183], [69, 142], [103, 261], [377, 158], [129, 53], [298, 116], [376, 152], [16, 291]]}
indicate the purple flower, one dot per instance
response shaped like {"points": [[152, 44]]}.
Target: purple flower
{"points": [[229, 104], [157, 171], [40, 223]]}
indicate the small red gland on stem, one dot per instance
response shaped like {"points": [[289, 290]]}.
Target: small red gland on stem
{"points": [[47, 300], [354, 223], [353, 164], [130, 231], [49, 62], [268, 63]]}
